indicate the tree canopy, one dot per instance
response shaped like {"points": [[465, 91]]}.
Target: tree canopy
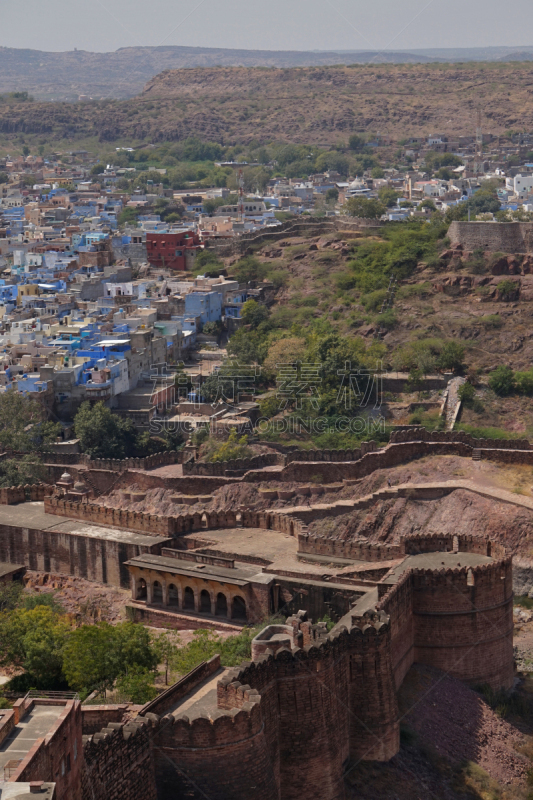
{"points": [[24, 428], [364, 207]]}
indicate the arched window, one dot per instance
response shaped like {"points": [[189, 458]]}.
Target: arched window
{"points": [[470, 581], [222, 605], [205, 602], [157, 592], [141, 590], [173, 598], [238, 608], [188, 598]]}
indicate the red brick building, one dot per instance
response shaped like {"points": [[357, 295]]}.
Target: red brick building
{"points": [[172, 250]]}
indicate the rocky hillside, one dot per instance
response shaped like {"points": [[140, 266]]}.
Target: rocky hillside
{"points": [[64, 76], [309, 105]]}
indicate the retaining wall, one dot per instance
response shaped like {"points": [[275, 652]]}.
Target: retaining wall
{"points": [[420, 434], [164, 702], [505, 237], [219, 468]]}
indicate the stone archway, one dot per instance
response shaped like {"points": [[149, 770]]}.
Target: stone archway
{"points": [[173, 595], [205, 602], [221, 609], [188, 598], [238, 608]]}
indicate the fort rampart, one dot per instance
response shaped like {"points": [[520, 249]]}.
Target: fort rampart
{"points": [[11, 495], [119, 764], [66, 553], [505, 237], [285, 724], [458, 620], [149, 524]]}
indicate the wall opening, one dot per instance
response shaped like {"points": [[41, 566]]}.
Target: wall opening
{"points": [[157, 592], [141, 590], [205, 602], [239, 608], [222, 605], [188, 598], [173, 597]]}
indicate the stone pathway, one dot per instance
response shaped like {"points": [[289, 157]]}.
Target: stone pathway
{"points": [[453, 402]]}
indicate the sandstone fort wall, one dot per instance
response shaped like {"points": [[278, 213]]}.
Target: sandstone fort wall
{"points": [[119, 765], [57, 757], [505, 237], [100, 560], [457, 620]]}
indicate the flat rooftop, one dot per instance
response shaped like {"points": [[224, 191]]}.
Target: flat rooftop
{"points": [[239, 576], [34, 726], [435, 561], [278, 548], [32, 515]]}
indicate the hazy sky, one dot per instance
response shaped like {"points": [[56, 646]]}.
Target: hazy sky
{"points": [[265, 24]]}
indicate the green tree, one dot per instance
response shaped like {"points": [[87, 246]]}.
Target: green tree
{"points": [[23, 429], [253, 313], [4, 177], [415, 381], [95, 655], [33, 639], [388, 196], [233, 448], [332, 195], [128, 216], [211, 205], [333, 161], [97, 169], [377, 172], [502, 381], [165, 645], [356, 143], [428, 204], [289, 350], [466, 394], [364, 208], [524, 382], [451, 357], [248, 269], [458, 212], [103, 434], [482, 202], [248, 346], [137, 685]]}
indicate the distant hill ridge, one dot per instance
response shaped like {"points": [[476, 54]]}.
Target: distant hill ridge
{"points": [[321, 104], [67, 75]]}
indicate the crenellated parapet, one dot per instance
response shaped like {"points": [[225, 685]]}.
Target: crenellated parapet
{"points": [[458, 619], [150, 524]]}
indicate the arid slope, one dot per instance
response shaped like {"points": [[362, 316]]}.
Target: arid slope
{"points": [[313, 105]]}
